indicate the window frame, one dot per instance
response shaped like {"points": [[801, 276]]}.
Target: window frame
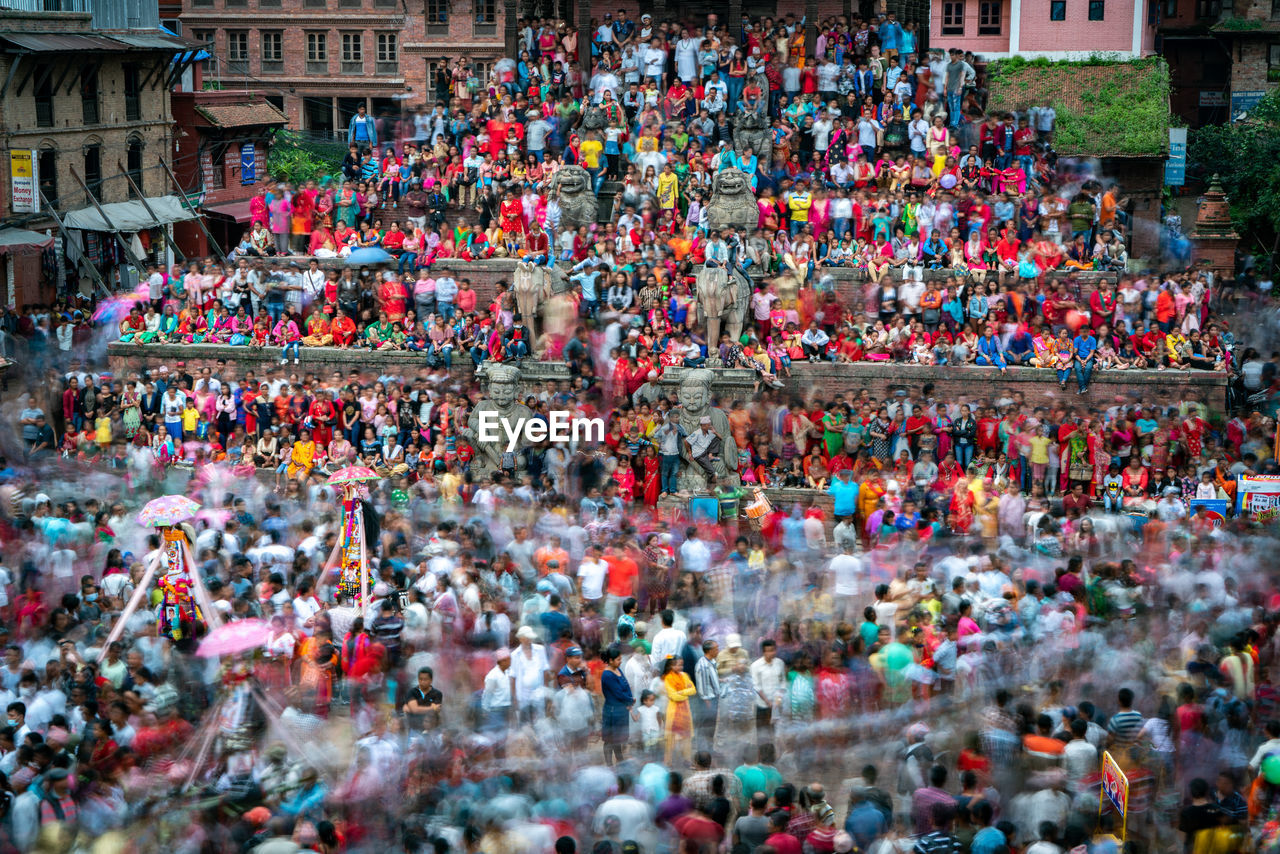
{"points": [[990, 17], [386, 57], [135, 145], [132, 88], [94, 184], [42, 93], [1057, 10], [437, 17], [953, 13], [272, 63], [484, 18], [48, 174], [1097, 10], [352, 55], [317, 52]]}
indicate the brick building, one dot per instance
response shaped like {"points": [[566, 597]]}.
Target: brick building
{"points": [[86, 99], [318, 60], [1250, 33], [1052, 29], [220, 155]]}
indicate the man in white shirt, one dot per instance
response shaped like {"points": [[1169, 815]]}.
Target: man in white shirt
{"points": [[695, 556], [653, 60], [769, 676], [495, 699], [669, 641], [814, 341], [530, 674], [591, 576], [312, 283]]}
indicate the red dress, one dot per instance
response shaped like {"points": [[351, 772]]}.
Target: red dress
{"points": [[652, 479], [512, 213]]}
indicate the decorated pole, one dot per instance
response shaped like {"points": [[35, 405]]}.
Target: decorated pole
{"points": [[351, 554]]}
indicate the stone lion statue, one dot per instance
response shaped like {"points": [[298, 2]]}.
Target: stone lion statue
{"points": [[751, 130], [733, 204], [571, 187], [594, 118]]}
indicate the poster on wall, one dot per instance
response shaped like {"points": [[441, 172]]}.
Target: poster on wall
{"points": [[24, 178], [248, 164], [1214, 509], [1258, 495]]}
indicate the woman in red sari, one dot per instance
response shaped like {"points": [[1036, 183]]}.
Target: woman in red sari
{"points": [[625, 477], [394, 297], [962, 502], [652, 475]]}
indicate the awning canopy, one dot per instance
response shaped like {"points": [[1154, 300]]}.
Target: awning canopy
{"points": [[59, 42], [140, 40], [237, 211], [19, 238], [130, 216]]}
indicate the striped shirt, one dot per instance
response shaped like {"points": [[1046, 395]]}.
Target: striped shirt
{"points": [[706, 680], [1125, 726]]}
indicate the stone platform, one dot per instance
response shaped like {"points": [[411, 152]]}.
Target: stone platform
{"points": [[822, 380]]}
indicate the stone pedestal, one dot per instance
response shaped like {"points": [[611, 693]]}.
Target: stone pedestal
{"points": [[1214, 236]]}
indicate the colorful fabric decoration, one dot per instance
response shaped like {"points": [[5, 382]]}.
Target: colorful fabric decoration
{"points": [[180, 616]]}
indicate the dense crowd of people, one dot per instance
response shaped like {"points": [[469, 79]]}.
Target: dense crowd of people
{"points": [[952, 608], [875, 157]]}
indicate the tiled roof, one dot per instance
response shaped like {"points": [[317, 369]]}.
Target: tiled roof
{"points": [[241, 115], [1104, 109]]}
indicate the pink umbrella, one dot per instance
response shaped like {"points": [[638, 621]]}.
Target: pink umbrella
{"points": [[233, 638], [353, 474], [168, 510]]}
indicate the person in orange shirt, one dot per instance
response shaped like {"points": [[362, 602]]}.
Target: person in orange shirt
{"points": [[1166, 310], [1041, 743], [343, 330], [621, 582], [551, 551]]}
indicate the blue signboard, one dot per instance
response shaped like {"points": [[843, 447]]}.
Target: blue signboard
{"points": [[248, 164], [1243, 102], [1175, 168], [1214, 508]]}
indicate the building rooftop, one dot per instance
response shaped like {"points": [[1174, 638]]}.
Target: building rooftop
{"points": [[241, 115], [1104, 108]]}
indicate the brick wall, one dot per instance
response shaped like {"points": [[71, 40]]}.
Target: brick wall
{"points": [[1077, 32], [69, 135], [1039, 387], [1249, 72]]}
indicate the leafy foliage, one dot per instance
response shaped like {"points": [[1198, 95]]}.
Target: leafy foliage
{"points": [[1244, 156], [297, 160], [1125, 113]]}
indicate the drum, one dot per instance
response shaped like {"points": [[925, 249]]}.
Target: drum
{"points": [[758, 508]]}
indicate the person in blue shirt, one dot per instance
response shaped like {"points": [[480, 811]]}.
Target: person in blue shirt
{"points": [[990, 353], [844, 489], [1019, 351], [362, 130], [586, 276], [1086, 347], [891, 35]]}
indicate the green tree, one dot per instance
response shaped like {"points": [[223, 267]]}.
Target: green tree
{"points": [[296, 160], [1246, 157]]}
